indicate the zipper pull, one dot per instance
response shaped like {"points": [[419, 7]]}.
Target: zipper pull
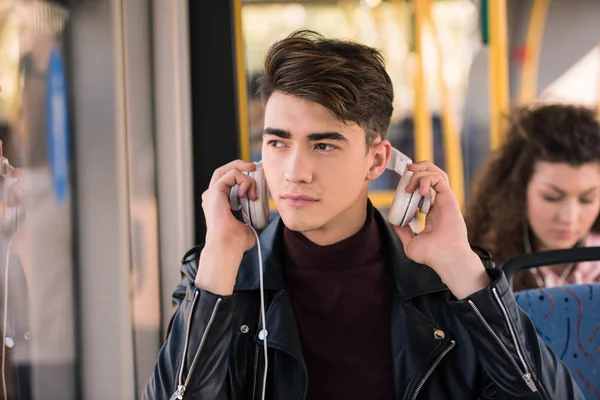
{"points": [[178, 395], [530, 382]]}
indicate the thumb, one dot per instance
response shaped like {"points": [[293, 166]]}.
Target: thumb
{"points": [[405, 234]]}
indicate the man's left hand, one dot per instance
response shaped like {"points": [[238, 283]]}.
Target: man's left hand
{"points": [[443, 244]]}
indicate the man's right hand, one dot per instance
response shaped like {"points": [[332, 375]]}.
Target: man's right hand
{"points": [[227, 239]]}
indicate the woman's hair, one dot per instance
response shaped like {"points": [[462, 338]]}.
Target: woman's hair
{"points": [[557, 133]]}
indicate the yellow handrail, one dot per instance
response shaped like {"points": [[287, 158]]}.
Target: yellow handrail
{"points": [[422, 117], [423, 135], [452, 148], [498, 70], [533, 44], [598, 83], [242, 88]]}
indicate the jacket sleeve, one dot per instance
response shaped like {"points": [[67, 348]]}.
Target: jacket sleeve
{"points": [[200, 329], [517, 362]]}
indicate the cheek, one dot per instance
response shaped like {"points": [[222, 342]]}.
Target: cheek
{"points": [[344, 178], [539, 213], [538, 219], [589, 214], [271, 172]]}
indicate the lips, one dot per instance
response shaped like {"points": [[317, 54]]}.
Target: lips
{"points": [[564, 233], [294, 199], [292, 196]]}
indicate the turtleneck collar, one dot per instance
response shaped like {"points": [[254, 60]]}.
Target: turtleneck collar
{"points": [[356, 250]]}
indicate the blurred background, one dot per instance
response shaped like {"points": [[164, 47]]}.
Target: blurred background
{"points": [[116, 112]]}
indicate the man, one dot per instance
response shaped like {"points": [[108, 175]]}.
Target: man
{"points": [[355, 309]]}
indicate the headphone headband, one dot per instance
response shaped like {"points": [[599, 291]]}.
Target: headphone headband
{"points": [[398, 161]]}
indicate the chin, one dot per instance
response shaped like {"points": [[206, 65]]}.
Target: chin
{"points": [[561, 244], [295, 221]]}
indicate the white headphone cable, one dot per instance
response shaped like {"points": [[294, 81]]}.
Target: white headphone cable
{"points": [[264, 331]]}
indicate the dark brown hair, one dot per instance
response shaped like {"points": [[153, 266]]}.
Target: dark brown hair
{"points": [[347, 78], [559, 133]]}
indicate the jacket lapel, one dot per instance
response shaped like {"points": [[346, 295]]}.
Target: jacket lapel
{"points": [[415, 347]]}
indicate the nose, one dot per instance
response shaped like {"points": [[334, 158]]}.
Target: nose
{"points": [[299, 167], [568, 213]]}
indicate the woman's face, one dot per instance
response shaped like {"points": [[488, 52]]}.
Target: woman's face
{"points": [[563, 203]]}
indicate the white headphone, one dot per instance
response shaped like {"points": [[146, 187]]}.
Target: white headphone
{"points": [[402, 211], [405, 205], [257, 211]]}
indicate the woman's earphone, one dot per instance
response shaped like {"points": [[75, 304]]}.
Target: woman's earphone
{"points": [[403, 210]]}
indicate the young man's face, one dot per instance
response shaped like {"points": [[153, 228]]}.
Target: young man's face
{"points": [[317, 168]]}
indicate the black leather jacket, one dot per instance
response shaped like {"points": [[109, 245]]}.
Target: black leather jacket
{"points": [[481, 347]]}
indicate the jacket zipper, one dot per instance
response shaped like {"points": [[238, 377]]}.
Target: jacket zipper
{"points": [[256, 355], [181, 387], [430, 371], [525, 374]]}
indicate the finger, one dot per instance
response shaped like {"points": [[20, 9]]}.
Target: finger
{"points": [[240, 165], [426, 181], [427, 166], [248, 191], [405, 234], [439, 184], [252, 191], [232, 178]]}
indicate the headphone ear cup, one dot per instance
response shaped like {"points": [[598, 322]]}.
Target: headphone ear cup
{"points": [[405, 205], [425, 204], [258, 210]]}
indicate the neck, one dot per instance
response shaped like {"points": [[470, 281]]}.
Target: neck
{"points": [[342, 226], [355, 250]]}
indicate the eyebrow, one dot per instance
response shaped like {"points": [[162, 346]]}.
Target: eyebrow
{"points": [[562, 192], [313, 137]]}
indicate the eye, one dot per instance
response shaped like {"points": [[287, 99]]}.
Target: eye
{"points": [[552, 199], [275, 143], [325, 147], [587, 201]]}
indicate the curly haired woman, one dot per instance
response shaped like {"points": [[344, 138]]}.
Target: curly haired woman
{"points": [[541, 191]]}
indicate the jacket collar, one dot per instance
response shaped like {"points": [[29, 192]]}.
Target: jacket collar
{"points": [[412, 279]]}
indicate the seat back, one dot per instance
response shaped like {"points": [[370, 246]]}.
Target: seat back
{"points": [[567, 318], [551, 257]]}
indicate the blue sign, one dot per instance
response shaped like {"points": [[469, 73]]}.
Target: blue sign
{"points": [[57, 126]]}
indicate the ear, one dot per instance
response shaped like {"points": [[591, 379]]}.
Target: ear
{"points": [[379, 154]]}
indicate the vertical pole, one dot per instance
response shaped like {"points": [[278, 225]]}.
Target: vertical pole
{"points": [[498, 68]]}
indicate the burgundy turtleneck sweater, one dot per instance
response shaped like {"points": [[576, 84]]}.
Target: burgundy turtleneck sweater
{"points": [[341, 295]]}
